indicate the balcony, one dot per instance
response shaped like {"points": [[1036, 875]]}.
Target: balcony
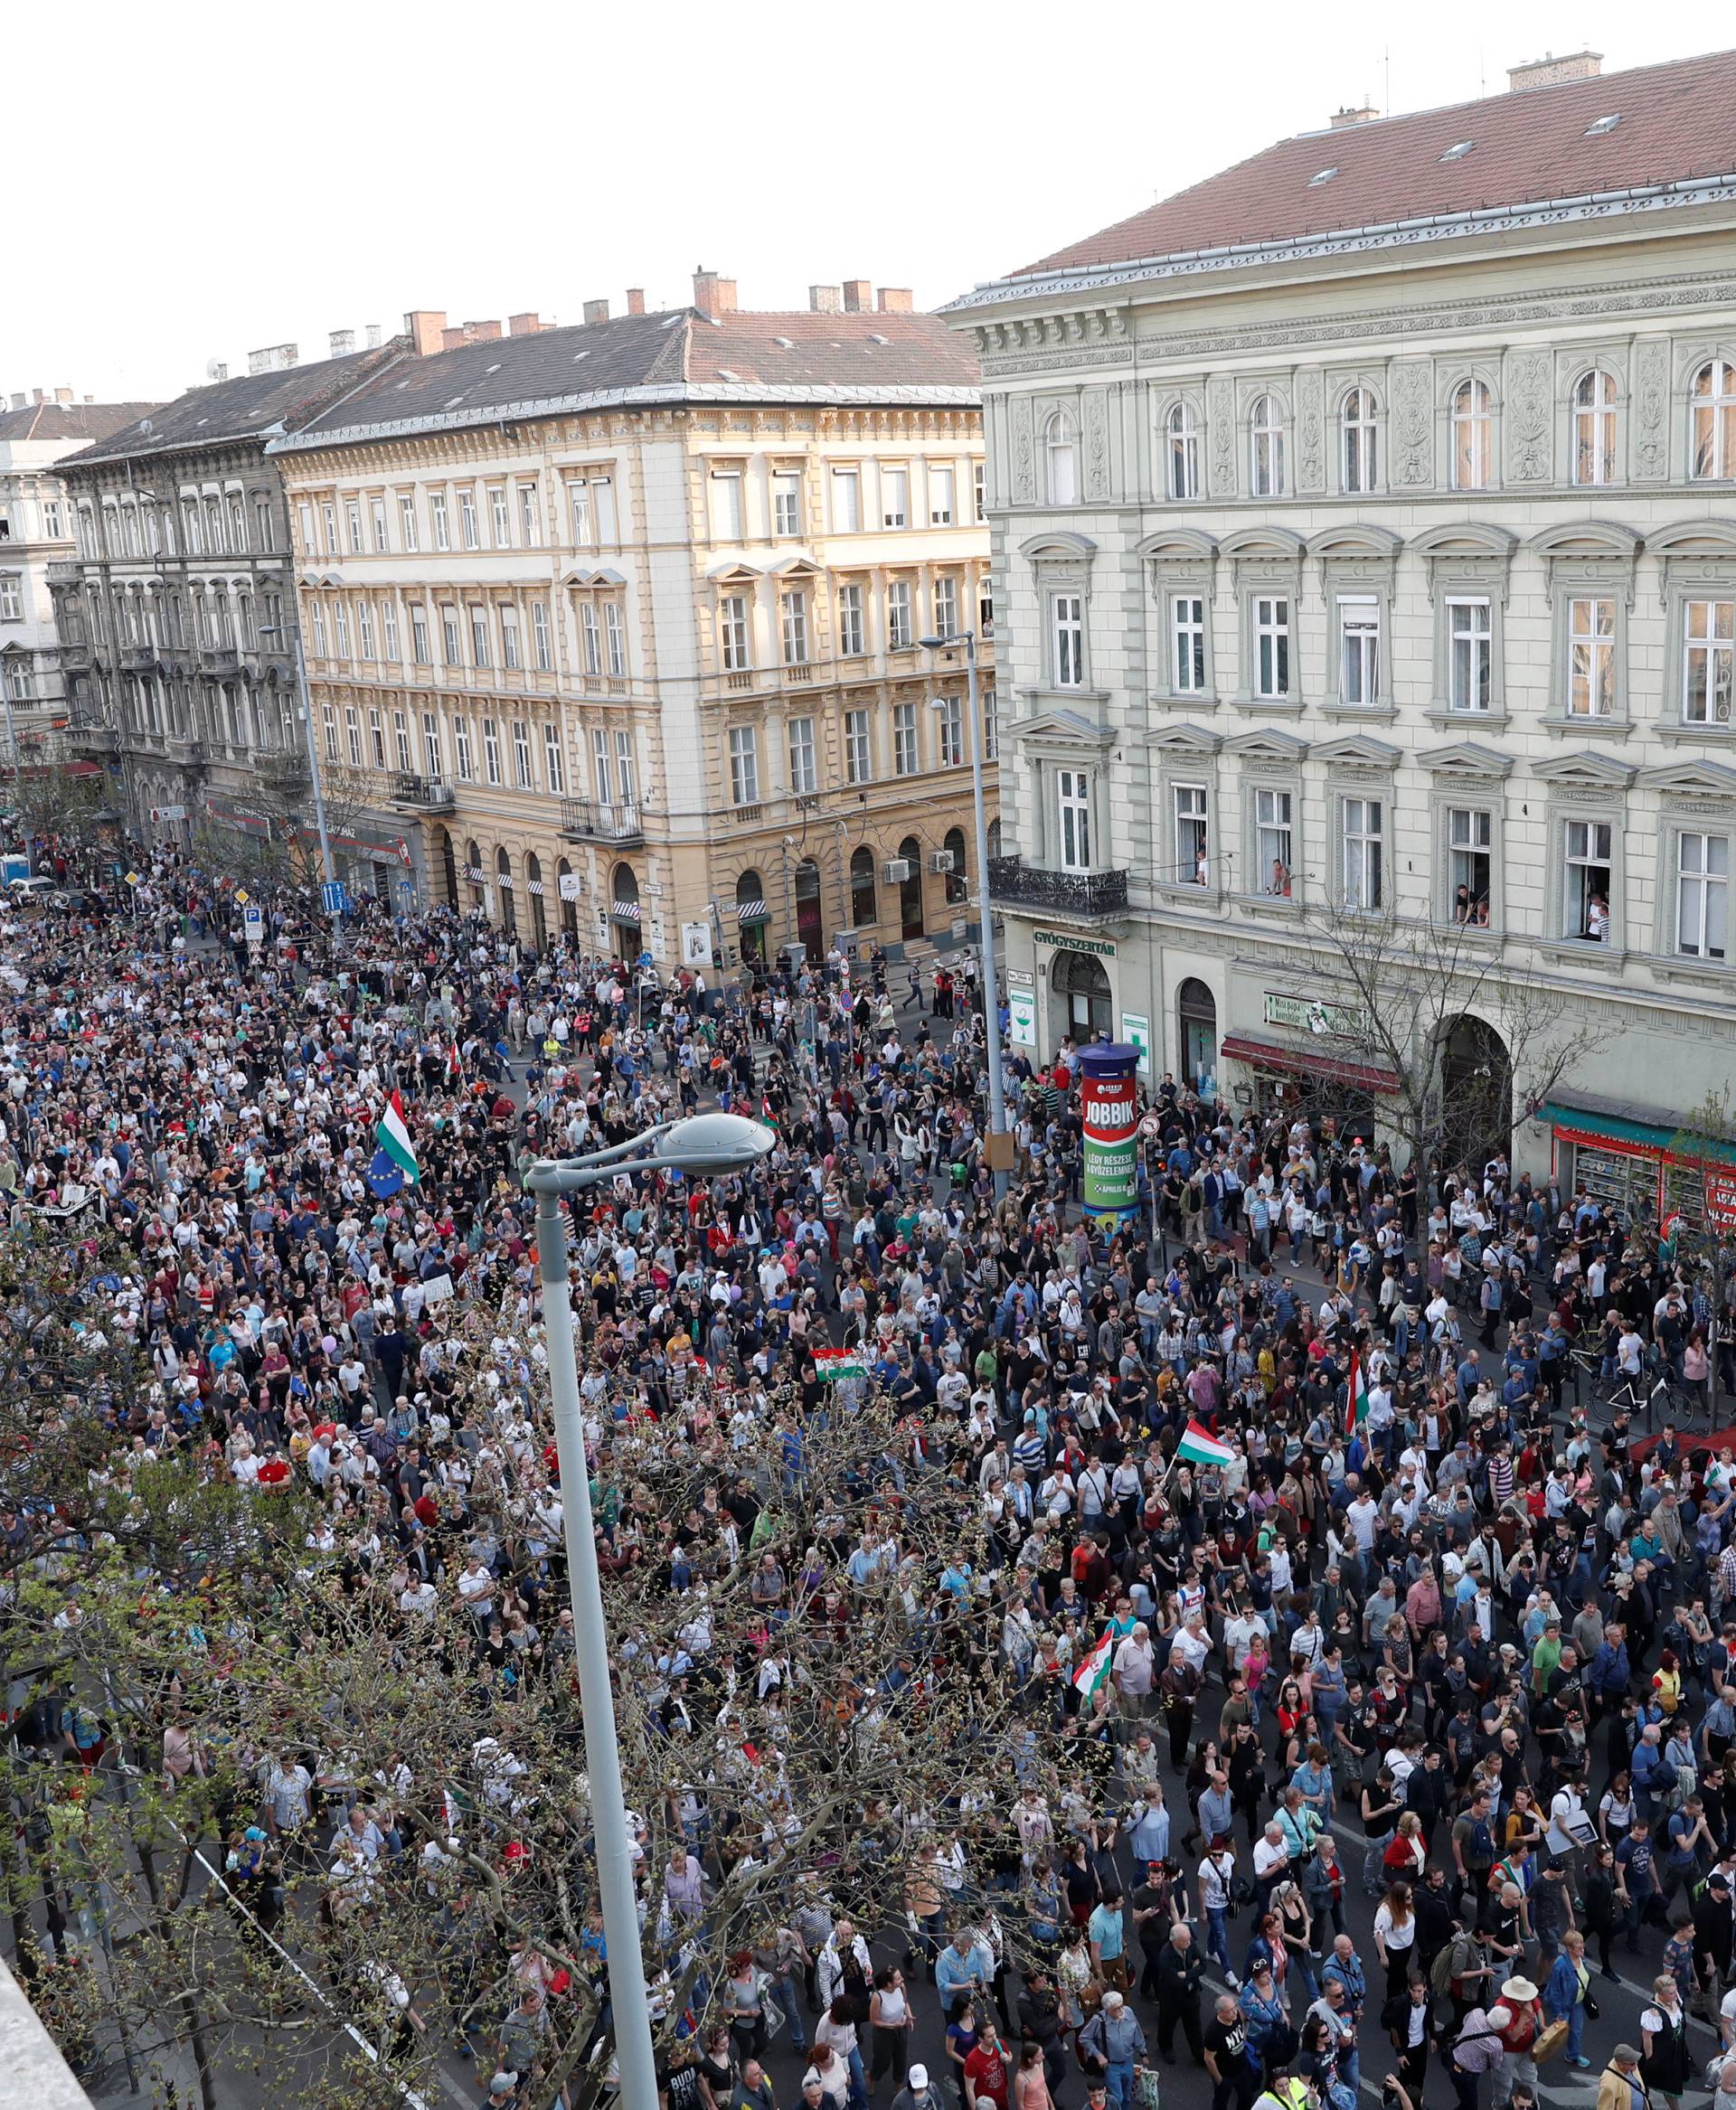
{"points": [[219, 659], [139, 659], [91, 737], [1086, 896], [76, 655], [587, 820], [426, 794], [282, 769]]}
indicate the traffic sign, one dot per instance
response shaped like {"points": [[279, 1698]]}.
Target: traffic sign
{"points": [[335, 896], [240, 895], [253, 923]]}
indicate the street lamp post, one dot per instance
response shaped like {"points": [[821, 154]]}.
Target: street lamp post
{"points": [[293, 631], [991, 980], [707, 1145]]}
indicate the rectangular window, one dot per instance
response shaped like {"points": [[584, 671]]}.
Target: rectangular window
{"points": [[509, 653], [1193, 862], [726, 505], [1702, 894], [352, 735], [949, 724], [12, 604], [352, 512], [491, 750], [603, 494], [401, 741], [599, 764], [1363, 860], [946, 607], [979, 491], [364, 628], [744, 766], [377, 516], [786, 502], [1271, 645], [479, 653], [1187, 633], [858, 751], [431, 758], [615, 640], [388, 625], [1710, 642], [461, 745], [1073, 798], [553, 774], [419, 636], [793, 609], [1585, 895], [330, 718], [1590, 658], [591, 637], [1471, 833], [894, 497], [1359, 649], [1469, 655], [804, 777], [530, 516], [468, 520], [328, 514], [500, 517], [986, 606], [407, 523], [524, 776], [540, 636], [450, 636], [624, 784], [578, 510], [732, 633], [1273, 842], [850, 630], [991, 730], [377, 738], [1067, 629], [436, 514], [898, 615], [904, 757], [846, 502], [940, 497], [340, 627]]}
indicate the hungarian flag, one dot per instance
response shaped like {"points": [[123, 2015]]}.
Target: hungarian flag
{"points": [[1199, 1446], [831, 1364], [1095, 1668], [394, 1159], [1355, 1398]]}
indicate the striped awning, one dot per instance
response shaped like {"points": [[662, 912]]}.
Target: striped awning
{"points": [[624, 911], [505, 879], [752, 912], [474, 871], [535, 886]]}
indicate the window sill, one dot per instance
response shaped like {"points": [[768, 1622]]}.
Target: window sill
{"points": [[1201, 701], [1444, 714], [1702, 973], [1477, 934], [1207, 897], [1041, 693], [1586, 949], [1269, 706], [1587, 729], [1269, 904], [1360, 713], [1675, 732]]}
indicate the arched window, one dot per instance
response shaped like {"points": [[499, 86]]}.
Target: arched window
{"points": [[564, 886], [1060, 452], [1357, 430], [534, 893], [909, 890], [623, 911], [1714, 420], [508, 907], [477, 878], [751, 915], [1266, 447], [865, 910], [1594, 427], [1472, 447], [957, 879], [1183, 435]]}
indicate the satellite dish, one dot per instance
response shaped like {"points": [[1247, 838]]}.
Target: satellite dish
{"points": [[144, 424], [215, 369]]}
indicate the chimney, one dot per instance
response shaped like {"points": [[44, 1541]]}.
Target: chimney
{"points": [[452, 339], [1549, 71], [90, 398], [896, 300], [595, 311], [528, 324], [825, 300], [341, 341], [858, 297], [482, 332], [426, 329], [374, 335], [18, 400], [711, 295], [273, 359], [36, 395], [62, 395], [1362, 113], [635, 300]]}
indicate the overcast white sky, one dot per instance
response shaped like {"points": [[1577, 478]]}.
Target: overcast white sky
{"points": [[213, 178]]}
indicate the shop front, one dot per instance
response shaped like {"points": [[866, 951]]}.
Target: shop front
{"points": [[1278, 1081], [1081, 993], [1636, 1161]]}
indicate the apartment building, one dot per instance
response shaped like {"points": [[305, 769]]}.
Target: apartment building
{"points": [[1362, 516], [623, 619]]}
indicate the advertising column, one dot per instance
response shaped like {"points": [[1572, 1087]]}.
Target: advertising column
{"points": [[1109, 1094]]}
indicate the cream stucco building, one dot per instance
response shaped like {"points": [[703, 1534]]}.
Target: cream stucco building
{"points": [[1364, 529], [623, 619]]}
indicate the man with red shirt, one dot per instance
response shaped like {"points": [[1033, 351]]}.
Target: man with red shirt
{"points": [[986, 2072]]}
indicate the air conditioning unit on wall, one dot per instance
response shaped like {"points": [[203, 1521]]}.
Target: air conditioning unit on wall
{"points": [[896, 871], [940, 860]]}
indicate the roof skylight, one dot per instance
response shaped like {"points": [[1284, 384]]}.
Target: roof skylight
{"points": [[1323, 175], [1458, 152], [1606, 123]]}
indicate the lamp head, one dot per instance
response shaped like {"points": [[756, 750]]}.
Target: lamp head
{"points": [[707, 1144]]}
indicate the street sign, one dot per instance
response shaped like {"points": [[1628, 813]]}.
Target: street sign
{"points": [[336, 897], [253, 923], [132, 880], [240, 895]]}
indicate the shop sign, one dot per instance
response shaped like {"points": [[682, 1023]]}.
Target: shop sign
{"points": [[1135, 1028], [1021, 1017], [1066, 942], [1308, 1014]]}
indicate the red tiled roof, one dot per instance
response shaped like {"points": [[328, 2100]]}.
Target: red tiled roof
{"points": [[1678, 120], [51, 420]]}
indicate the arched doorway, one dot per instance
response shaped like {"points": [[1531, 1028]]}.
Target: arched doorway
{"points": [[994, 836], [566, 886], [534, 892], [477, 878], [1476, 1093], [752, 916], [957, 879], [1079, 1001], [1196, 1031], [811, 916], [508, 907], [864, 908], [623, 912], [909, 889]]}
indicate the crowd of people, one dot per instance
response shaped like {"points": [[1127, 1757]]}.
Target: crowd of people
{"points": [[1316, 1445]]}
